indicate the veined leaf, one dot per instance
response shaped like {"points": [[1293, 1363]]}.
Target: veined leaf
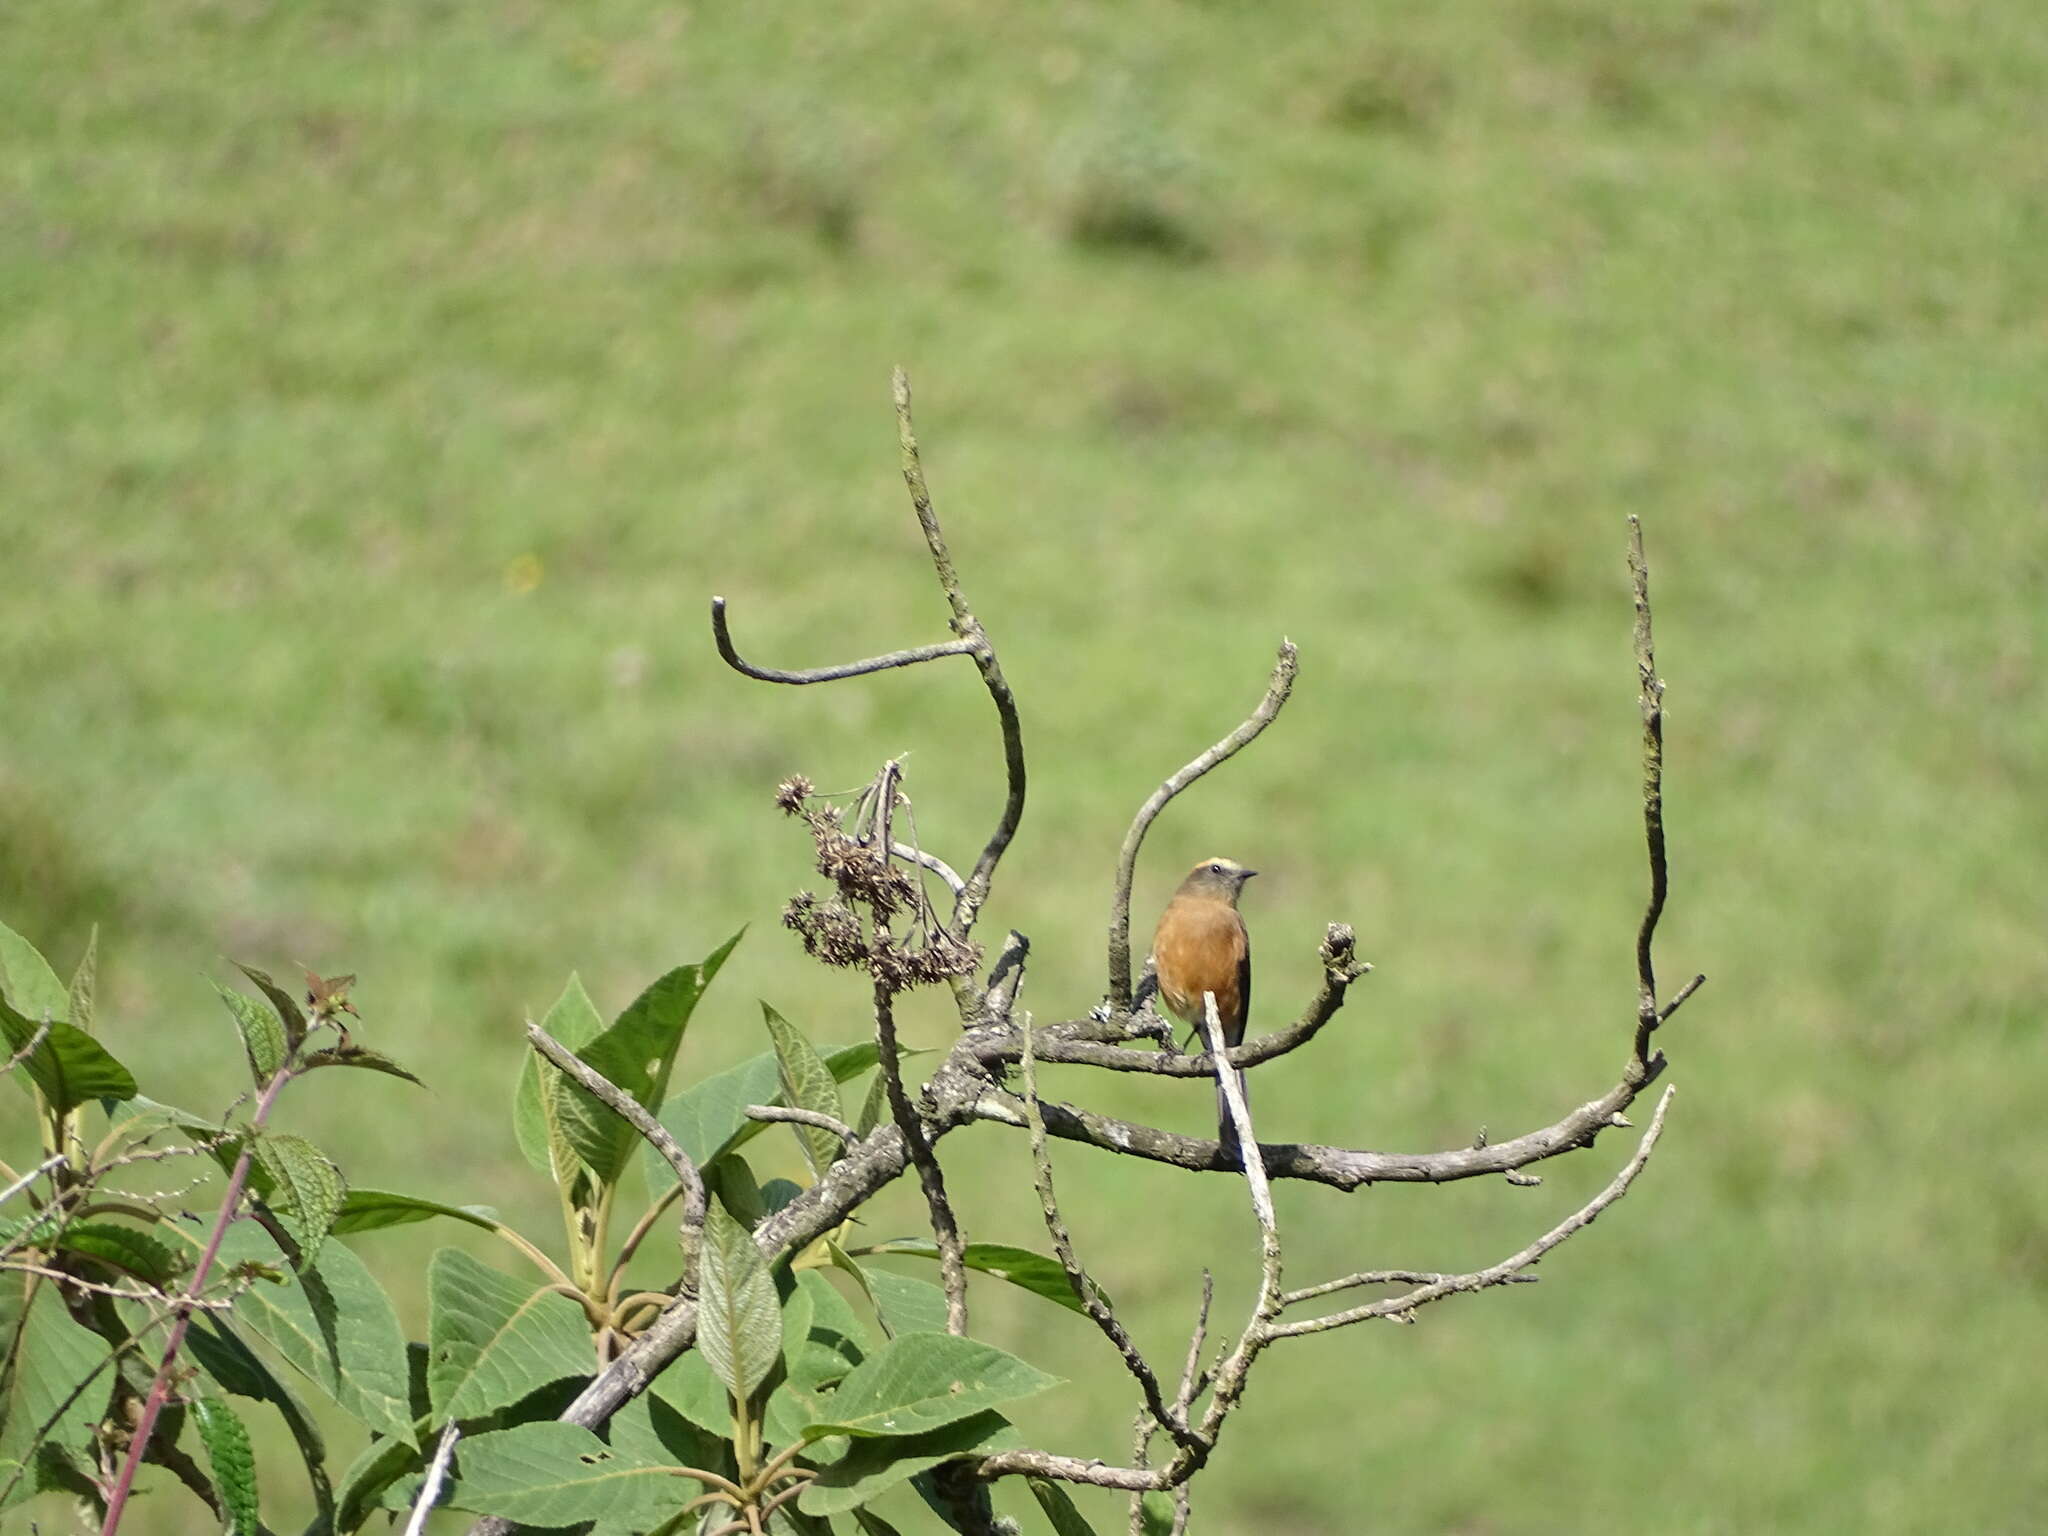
{"points": [[126, 1249], [574, 1021], [306, 1188], [286, 1005], [67, 1066], [1035, 1272], [83, 992], [637, 1054], [807, 1083], [261, 1031], [356, 1055], [709, 1119], [554, 1474], [871, 1467], [492, 1339], [48, 1357], [27, 982], [368, 1210], [739, 1325], [921, 1381], [331, 1322], [233, 1463], [905, 1304]]}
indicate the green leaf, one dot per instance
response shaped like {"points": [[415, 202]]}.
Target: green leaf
{"points": [[874, 1109], [286, 1005], [555, 1474], [234, 1367], [233, 1463], [1059, 1508], [356, 1055], [382, 1463], [306, 1188], [1155, 1510], [28, 983], [68, 1066], [262, 1034], [85, 983], [872, 1467], [368, 1210], [731, 1180], [650, 1032], [709, 1119], [789, 1407], [51, 1394], [1034, 1272], [574, 1021], [905, 1305], [739, 1326], [689, 1387], [125, 1249], [845, 1263], [637, 1054], [924, 1380], [807, 1083], [648, 1429], [872, 1524], [492, 1339], [331, 1322], [834, 1327]]}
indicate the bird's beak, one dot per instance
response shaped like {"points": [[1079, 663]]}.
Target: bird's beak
{"points": [[1249, 873]]}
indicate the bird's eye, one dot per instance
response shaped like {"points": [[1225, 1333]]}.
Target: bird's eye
{"points": [[1215, 869]]}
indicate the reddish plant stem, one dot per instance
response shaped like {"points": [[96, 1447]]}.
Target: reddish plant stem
{"points": [[160, 1388]]}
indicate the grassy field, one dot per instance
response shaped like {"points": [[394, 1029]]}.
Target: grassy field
{"points": [[389, 385]]}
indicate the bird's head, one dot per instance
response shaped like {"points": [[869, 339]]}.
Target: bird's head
{"points": [[1218, 879]]}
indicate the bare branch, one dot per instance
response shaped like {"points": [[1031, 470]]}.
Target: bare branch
{"points": [[968, 905], [1127, 860], [1376, 1277], [1651, 700], [1085, 1290], [789, 1114], [1342, 1168], [1340, 970], [910, 656], [1505, 1271], [54, 1160], [932, 862], [651, 1130], [945, 1227], [1005, 979]]}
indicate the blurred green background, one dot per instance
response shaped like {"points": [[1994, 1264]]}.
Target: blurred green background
{"points": [[389, 386]]}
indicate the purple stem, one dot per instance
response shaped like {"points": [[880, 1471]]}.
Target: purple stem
{"points": [[160, 1388]]}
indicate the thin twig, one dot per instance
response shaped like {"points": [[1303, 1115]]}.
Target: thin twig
{"points": [[910, 656], [1373, 1277], [1505, 1271], [1344, 1168], [1085, 1290], [437, 1473], [1127, 859], [651, 1130], [183, 1308], [54, 1160], [1651, 701], [968, 906], [791, 1115], [945, 1227]]}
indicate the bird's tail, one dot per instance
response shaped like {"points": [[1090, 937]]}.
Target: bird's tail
{"points": [[1226, 1128]]}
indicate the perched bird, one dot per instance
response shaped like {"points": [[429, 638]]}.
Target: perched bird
{"points": [[1201, 946]]}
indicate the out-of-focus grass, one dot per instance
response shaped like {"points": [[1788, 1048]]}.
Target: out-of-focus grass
{"points": [[389, 386]]}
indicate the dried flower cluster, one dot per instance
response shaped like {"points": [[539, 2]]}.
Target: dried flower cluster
{"points": [[868, 879]]}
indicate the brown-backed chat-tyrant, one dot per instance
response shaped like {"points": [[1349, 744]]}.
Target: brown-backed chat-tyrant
{"points": [[1201, 946]]}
